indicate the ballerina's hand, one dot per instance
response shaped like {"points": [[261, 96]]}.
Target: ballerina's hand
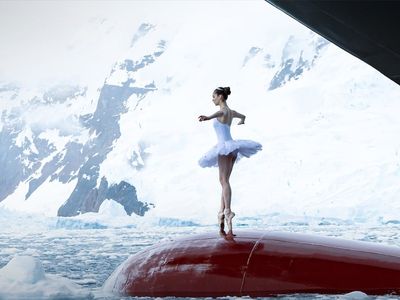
{"points": [[240, 122], [202, 118]]}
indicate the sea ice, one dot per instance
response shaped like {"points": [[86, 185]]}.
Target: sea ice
{"points": [[24, 277]]}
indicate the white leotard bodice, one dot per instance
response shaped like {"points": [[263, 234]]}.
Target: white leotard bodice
{"points": [[222, 130]]}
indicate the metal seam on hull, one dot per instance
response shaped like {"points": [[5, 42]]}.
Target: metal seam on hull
{"points": [[248, 261]]}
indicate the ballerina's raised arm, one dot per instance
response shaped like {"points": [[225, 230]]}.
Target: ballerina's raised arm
{"points": [[236, 114], [219, 113]]}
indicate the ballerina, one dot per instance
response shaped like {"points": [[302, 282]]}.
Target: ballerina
{"points": [[226, 152]]}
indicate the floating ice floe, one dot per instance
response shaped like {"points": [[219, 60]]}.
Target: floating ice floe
{"points": [[24, 277]]}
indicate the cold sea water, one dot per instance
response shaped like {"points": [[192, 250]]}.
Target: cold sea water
{"points": [[87, 255]]}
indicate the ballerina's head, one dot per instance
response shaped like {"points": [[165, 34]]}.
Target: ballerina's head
{"points": [[221, 94]]}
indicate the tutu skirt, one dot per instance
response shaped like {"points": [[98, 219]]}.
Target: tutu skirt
{"points": [[242, 148]]}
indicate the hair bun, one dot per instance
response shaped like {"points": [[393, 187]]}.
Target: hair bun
{"points": [[227, 90]]}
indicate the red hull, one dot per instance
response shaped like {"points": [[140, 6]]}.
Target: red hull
{"points": [[259, 264]]}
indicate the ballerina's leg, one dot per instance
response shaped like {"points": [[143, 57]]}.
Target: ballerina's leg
{"points": [[225, 163], [222, 208], [221, 217]]}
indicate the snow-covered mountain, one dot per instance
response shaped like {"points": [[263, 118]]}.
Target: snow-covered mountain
{"points": [[64, 163], [327, 122]]}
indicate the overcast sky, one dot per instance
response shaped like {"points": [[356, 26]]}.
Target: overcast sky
{"points": [[47, 41]]}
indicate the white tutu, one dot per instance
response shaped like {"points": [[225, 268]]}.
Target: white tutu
{"points": [[227, 145], [240, 147]]}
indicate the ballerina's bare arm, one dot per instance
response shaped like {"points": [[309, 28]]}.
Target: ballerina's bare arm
{"points": [[235, 114], [219, 113]]}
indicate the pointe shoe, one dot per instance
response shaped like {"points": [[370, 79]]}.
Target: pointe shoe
{"points": [[228, 217], [221, 220]]}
